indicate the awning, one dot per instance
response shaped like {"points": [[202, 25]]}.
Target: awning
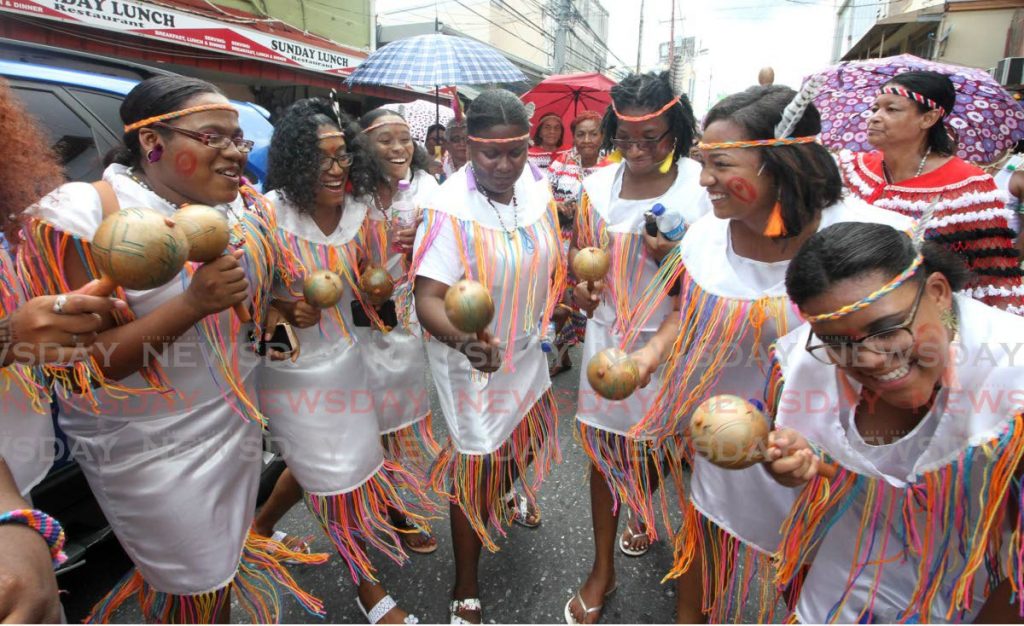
{"points": [[888, 27]]}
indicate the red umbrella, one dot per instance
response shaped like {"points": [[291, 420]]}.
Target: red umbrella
{"points": [[568, 95]]}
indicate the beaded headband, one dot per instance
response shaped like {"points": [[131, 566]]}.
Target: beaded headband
{"points": [[650, 116], [330, 135], [173, 115], [899, 90], [386, 122], [499, 140], [757, 143]]}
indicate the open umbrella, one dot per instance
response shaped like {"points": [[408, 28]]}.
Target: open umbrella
{"points": [[568, 95], [987, 120], [421, 114]]}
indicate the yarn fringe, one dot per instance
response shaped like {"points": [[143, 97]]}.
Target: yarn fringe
{"points": [[414, 449]]}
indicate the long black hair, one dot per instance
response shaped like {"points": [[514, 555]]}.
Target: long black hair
{"points": [[940, 89], [421, 161], [806, 174], [852, 249], [650, 92], [295, 152], [154, 96]]}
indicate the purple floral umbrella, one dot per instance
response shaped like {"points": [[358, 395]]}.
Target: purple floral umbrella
{"points": [[986, 119]]}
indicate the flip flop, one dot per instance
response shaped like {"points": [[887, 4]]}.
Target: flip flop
{"points": [[521, 508], [628, 536], [293, 543], [428, 548], [569, 619]]}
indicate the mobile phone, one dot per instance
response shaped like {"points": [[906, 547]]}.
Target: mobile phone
{"points": [[386, 311], [283, 340]]}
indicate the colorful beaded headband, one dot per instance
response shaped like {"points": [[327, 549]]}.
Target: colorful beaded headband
{"points": [[898, 90], [871, 297], [650, 116], [330, 135], [386, 122], [500, 140], [757, 143], [173, 115]]}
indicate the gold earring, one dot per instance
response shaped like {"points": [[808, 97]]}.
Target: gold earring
{"points": [[949, 320]]}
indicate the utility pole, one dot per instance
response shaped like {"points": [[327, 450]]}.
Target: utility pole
{"points": [[672, 46], [563, 15], [640, 36]]}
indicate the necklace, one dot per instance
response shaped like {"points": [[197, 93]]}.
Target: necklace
{"points": [[515, 213], [920, 166], [377, 204], [145, 185]]}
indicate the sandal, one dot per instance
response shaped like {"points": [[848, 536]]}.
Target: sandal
{"points": [[628, 536], [558, 368], [569, 619], [292, 542], [411, 529], [379, 610], [466, 604], [521, 513]]}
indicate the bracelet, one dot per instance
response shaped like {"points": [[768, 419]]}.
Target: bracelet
{"points": [[43, 524]]}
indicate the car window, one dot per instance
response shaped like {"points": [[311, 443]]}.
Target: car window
{"points": [[104, 106], [70, 137]]}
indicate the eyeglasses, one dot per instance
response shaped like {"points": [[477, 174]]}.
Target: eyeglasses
{"points": [[894, 341], [343, 160], [213, 140], [643, 144]]}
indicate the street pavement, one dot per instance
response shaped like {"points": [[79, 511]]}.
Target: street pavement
{"points": [[528, 580]]}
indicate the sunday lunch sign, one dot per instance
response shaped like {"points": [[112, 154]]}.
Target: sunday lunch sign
{"points": [[158, 22]]}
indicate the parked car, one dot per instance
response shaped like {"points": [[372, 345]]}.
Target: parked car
{"points": [[79, 109]]}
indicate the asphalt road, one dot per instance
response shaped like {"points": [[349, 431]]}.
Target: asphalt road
{"points": [[528, 581]]}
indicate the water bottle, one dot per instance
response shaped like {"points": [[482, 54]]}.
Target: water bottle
{"points": [[671, 225], [547, 340], [403, 209]]}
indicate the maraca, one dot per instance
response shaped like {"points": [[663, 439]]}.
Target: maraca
{"points": [[208, 235], [732, 433], [612, 374], [377, 284], [137, 249], [590, 264], [469, 307], [322, 289]]}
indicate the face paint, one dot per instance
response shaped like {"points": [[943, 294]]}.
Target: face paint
{"points": [[742, 190], [185, 164]]}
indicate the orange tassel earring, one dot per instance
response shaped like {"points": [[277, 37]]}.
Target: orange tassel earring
{"points": [[776, 226]]}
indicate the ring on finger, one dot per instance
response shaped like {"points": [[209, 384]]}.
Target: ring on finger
{"points": [[59, 302], [74, 339]]}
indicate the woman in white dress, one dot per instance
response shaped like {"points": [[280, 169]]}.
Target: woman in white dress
{"points": [[651, 130], [772, 187], [493, 222], [164, 414], [390, 338], [911, 392], [317, 405]]}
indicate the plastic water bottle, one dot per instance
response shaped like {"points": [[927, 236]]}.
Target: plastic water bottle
{"points": [[403, 209], [547, 340], [671, 225]]}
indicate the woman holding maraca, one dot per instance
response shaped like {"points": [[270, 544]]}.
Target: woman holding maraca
{"points": [[175, 374]]}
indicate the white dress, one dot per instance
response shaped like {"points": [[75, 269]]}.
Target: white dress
{"points": [[463, 237], [874, 539], [175, 473], [26, 428]]}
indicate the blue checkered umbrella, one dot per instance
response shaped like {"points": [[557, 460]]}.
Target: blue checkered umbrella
{"points": [[435, 59]]}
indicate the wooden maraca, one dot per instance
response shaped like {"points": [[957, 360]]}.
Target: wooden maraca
{"points": [[322, 289], [469, 307], [732, 433], [208, 235], [138, 248], [377, 284], [612, 374], [591, 264]]}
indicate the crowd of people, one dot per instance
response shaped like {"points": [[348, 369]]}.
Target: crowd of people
{"points": [[868, 303]]}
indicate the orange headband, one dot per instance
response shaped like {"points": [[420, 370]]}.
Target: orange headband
{"points": [[649, 116], [330, 135], [500, 140], [757, 143], [173, 115], [385, 122]]}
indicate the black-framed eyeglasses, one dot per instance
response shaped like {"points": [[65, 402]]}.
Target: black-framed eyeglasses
{"points": [[327, 162], [893, 341], [644, 144], [213, 140]]}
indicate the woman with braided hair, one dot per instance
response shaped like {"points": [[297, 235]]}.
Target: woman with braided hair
{"points": [[914, 166]]}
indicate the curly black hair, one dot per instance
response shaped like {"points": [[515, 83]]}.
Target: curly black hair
{"points": [[295, 149], [421, 161], [651, 91], [806, 174]]}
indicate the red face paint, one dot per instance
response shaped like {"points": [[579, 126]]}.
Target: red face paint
{"points": [[185, 164], [742, 190]]}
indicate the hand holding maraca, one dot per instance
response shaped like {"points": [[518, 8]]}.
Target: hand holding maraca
{"points": [[470, 308], [590, 266], [208, 234]]}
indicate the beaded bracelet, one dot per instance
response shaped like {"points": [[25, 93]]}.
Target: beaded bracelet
{"points": [[43, 524]]}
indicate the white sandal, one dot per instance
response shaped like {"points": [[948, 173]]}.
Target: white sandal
{"points": [[466, 604], [569, 619], [521, 509], [381, 609], [625, 546]]}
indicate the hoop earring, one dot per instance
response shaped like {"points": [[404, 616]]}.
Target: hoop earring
{"points": [[154, 155]]}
